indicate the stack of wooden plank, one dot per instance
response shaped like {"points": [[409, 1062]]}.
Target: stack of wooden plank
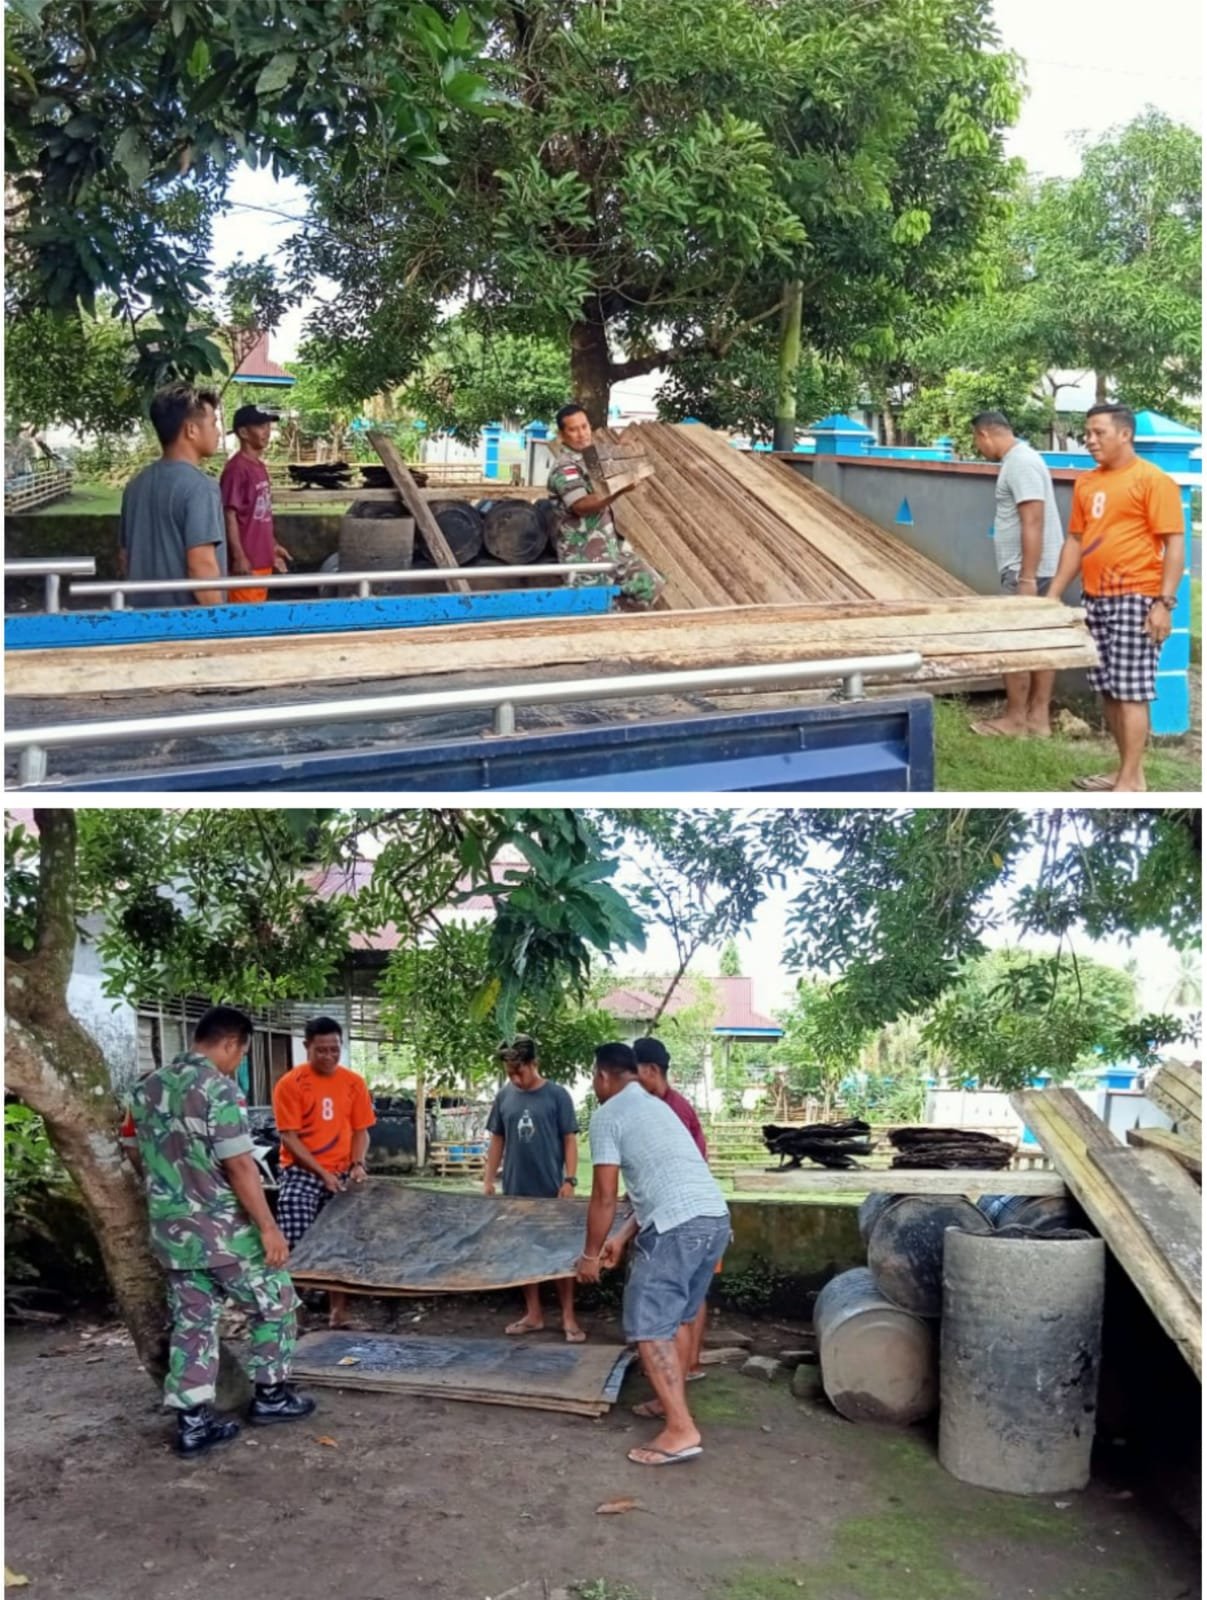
{"points": [[724, 526], [957, 638], [1143, 1202], [930, 1148], [1176, 1087]]}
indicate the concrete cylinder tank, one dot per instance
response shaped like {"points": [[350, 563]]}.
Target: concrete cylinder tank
{"points": [[877, 1361], [1020, 1351], [904, 1237]]}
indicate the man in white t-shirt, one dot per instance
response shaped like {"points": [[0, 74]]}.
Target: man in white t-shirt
{"points": [[1027, 539], [680, 1230]]}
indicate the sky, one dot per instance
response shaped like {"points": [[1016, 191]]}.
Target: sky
{"points": [[1089, 67], [761, 950]]}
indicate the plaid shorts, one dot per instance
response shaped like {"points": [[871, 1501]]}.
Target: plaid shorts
{"points": [[300, 1198], [1127, 657]]}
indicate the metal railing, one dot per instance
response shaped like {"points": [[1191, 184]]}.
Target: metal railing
{"points": [[54, 569], [502, 700], [362, 582]]}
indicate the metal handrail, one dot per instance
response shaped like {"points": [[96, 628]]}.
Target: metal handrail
{"points": [[362, 582], [33, 743], [54, 569]]}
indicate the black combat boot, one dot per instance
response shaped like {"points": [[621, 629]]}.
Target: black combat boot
{"points": [[278, 1402], [198, 1430]]}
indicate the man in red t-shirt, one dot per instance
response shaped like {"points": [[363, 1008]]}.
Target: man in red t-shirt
{"points": [[1127, 540], [251, 540], [653, 1066], [323, 1112]]}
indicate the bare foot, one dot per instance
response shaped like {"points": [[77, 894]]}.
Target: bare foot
{"points": [[524, 1326], [574, 1334], [1039, 730], [1129, 788]]}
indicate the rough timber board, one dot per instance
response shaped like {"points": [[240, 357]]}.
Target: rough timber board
{"points": [[1177, 1089], [1082, 1149], [1189, 1152], [954, 636], [391, 1236], [547, 1375], [907, 1180], [1167, 1202]]}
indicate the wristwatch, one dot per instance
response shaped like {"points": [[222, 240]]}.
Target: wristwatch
{"points": [[1168, 601], [573, 1182]]}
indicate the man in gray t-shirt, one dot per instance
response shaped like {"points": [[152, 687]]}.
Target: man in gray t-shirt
{"points": [[680, 1230], [1028, 539], [534, 1135], [171, 517]]}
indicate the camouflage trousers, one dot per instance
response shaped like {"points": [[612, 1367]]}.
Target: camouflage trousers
{"points": [[195, 1299], [639, 584]]}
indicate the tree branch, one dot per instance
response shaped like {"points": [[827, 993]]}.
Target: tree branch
{"points": [[54, 944]]}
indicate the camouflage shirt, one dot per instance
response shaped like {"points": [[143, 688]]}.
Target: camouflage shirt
{"points": [[568, 482], [188, 1120]]}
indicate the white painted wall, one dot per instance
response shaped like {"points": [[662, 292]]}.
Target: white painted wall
{"points": [[113, 1024]]}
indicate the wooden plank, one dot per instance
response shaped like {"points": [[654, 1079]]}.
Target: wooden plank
{"points": [[905, 1180], [460, 491], [1184, 1150], [1177, 1089], [723, 636], [437, 544], [1083, 1151], [1166, 1201]]}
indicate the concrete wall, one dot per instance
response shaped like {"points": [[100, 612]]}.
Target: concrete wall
{"points": [[950, 504], [804, 1244], [113, 1024]]}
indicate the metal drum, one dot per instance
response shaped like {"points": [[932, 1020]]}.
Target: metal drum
{"points": [[1021, 1348], [1041, 1213], [877, 1361], [904, 1237]]}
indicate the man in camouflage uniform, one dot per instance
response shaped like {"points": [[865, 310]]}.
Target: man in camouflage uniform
{"points": [[212, 1232], [587, 530]]}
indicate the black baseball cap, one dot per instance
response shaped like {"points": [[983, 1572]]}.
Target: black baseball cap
{"points": [[251, 417]]}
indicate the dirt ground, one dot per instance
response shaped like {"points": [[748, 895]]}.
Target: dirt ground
{"points": [[445, 1501]]}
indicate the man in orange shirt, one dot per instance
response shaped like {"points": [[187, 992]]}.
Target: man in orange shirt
{"points": [[323, 1113], [1127, 540]]}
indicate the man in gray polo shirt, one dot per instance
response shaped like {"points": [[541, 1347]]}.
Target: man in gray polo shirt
{"points": [[680, 1229], [171, 517], [1027, 539]]}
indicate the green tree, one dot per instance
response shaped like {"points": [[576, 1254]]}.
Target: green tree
{"points": [[124, 122], [230, 904], [821, 1045], [730, 965], [906, 899], [1013, 1014], [471, 379], [674, 180], [76, 371]]}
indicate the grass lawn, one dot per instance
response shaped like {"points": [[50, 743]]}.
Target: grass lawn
{"points": [[965, 760], [85, 500]]}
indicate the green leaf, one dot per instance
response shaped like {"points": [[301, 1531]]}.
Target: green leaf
{"points": [[199, 59], [277, 73]]}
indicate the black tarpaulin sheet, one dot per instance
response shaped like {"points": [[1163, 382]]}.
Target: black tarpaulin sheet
{"points": [[584, 1379], [392, 1238]]}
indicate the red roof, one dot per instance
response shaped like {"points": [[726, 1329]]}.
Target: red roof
{"points": [[258, 364], [351, 880], [635, 1004]]}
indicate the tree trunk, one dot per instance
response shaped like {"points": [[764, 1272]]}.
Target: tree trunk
{"points": [[55, 1066], [1100, 383], [590, 364], [789, 370]]}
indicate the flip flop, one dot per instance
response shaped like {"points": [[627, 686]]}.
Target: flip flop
{"points": [[986, 730], [642, 1409], [575, 1336], [1098, 782], [666, 1458], [521, 1327], [695, 1377]]}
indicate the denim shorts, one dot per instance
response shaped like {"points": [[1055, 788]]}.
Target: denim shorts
{"points": [[670, 1276], [1009, 581]]}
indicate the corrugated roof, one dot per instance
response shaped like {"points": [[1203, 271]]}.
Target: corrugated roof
{"points": [[257, 364]]}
